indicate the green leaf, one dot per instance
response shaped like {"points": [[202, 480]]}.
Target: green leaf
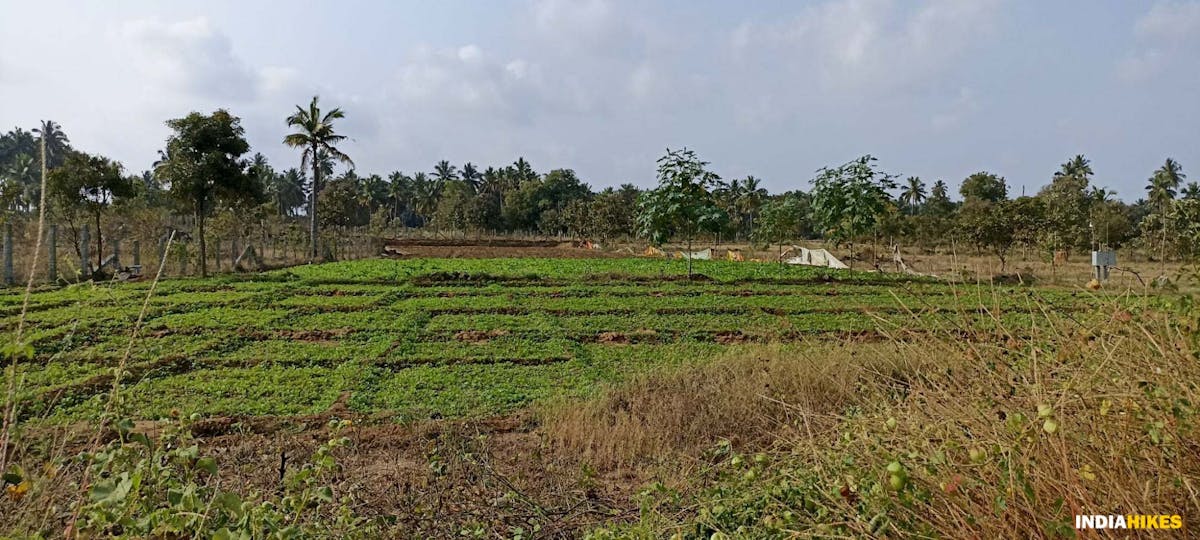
{"points": [[207, 464]]}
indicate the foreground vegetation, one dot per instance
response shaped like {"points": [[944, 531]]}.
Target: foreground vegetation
{"points": [[443, 338], [1006, 436], [753, 399]]}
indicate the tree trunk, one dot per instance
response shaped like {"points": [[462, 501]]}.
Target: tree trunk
{"points": [[99, 243], [203, 245], [312, 206], [689, 258]]}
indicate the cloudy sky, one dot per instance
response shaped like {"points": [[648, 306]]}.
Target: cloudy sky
{"points": [[777, 89]]}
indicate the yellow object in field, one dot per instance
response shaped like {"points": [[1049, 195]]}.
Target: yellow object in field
{"points": [[652, 251], [735, 255]]}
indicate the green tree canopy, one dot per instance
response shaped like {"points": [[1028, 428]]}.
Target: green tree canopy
{"points": [[984, 186], [683, 204], [90, 184], [203, 165], [849, 200]]}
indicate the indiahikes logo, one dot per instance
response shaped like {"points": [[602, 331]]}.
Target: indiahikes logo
{"points": [[1129, 521]]}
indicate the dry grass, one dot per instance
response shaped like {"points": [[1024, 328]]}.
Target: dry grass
{"points": [[750, 397], [1007, 438]]}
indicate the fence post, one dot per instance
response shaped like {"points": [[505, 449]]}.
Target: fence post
{"points": [[52, 260], [116, 256], [137, 252], [8, 254], [233, 254], [162, 252], [85, 240], [183, 260]]}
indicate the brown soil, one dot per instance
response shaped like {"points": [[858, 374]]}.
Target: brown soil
{"points": [[479, 336]]}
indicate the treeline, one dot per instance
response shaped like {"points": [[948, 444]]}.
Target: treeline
{"points": [[206, 171]]}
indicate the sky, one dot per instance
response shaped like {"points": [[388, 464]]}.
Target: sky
{"points": [[775, 88]]}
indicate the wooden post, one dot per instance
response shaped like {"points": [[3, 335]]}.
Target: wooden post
{"points": [[8, 255], [52, 261], [85, 240], [183, 260], [116, 256], [137, 252]]}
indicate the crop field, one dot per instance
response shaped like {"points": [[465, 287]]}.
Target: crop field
{"points": [[450, 337]]}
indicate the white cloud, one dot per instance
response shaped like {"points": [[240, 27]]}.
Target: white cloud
{"points": [[1170, 21], [870, 45], [1168, 34], [190, 56]]}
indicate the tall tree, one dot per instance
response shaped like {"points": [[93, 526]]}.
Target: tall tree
{"points": [[426, 192], [1163, 185], [316, 136], [849, 200], [913, 194], [90, 183], [56, 141], [984, 186], [1068, 204], [399, 192], [471, 176], [287, 191], [1191, 191], [203, 165], [683, 204], [23, 174], [445, 172]]}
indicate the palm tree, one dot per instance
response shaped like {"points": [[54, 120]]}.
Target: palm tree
{"points": [[373, 191], [1101, 195], [1165, 181], [750, 201], [940, 190], [426, 191], [471, 176], [445, 172], [315, 135], [399, 192], [913, 194], [1077, 167], [522, 172], [287, 191], [1191, 191], [1163, 184], [56, 143], [23, 173]]}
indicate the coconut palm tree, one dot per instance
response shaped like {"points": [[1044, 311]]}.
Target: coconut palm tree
{"points": [[471, 176], [287, 191], [56, 142], [913, 194], [445, 172], [750, 201], [522, 172], [1163, 184], [1191, 191], [1165, 181], [23, 173], [1077, 167], [426, 192], [399, 192], [315, 135]]}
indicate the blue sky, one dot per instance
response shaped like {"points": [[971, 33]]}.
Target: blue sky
{"points": [[935, 88]]}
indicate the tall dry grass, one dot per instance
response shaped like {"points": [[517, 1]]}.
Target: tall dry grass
{"points": [[998, 433]]}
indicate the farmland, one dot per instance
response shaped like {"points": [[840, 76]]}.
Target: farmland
{"points": [[438, 338]]}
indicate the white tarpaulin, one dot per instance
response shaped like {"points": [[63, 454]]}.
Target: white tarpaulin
{"points": [[696, 255], [815, 257]]}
